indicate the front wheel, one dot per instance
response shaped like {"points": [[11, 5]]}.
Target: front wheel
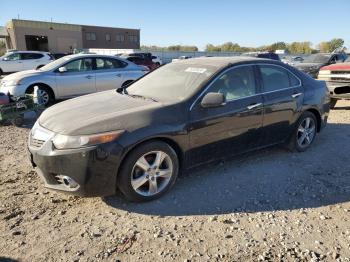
{"points": [[148, 172], [304, 133], [46, 95]]}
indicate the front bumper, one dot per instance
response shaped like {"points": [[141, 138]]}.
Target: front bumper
{"points": [[92, 171], [339, 90], [14, 90]]}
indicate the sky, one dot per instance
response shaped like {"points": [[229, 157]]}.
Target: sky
{"points": [[198, 22]]}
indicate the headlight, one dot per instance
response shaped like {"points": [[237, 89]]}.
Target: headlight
{"points": [[13, 82], [72, 142], [324, 72]]}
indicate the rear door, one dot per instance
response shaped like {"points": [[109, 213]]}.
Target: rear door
{"points": [[283, 96], [232, 128], [31, 60], [79, 79], [109, 73]]}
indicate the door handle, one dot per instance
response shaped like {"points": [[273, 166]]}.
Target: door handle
{"points": [[88, 77], [296, 95], [254, 106]]}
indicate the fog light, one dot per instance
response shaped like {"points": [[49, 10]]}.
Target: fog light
{"points": [[67, 181]]}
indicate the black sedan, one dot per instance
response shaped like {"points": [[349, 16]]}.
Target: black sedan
{"points": [[181, 115]]}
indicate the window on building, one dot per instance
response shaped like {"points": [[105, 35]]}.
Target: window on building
{"points": [[119, 38], [133, 38], [90, 36], [108, 37]]}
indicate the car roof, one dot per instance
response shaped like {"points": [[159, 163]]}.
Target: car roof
{"points": [[220, 62], [18, 51]]}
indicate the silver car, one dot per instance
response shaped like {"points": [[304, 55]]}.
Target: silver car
{"points": [[72, 76]]}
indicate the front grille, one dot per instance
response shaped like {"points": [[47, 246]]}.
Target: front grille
{"points": [[340, 72], [340, 79], [36, 143]]}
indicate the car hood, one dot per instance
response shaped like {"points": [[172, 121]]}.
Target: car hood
{"points": [[97, 113], [307, 65], [22, 74], [339, 66]]}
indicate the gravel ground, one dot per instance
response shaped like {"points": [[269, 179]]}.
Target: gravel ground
{"points": [[269, 205]]}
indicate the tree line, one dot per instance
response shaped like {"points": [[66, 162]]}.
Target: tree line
{"points": [[293, 48]]}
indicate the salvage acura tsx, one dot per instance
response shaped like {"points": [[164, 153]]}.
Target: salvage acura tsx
{"points": [[183, 114]]}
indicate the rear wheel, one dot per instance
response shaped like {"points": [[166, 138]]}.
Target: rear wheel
{"points": [[332, 103], [304, 133], [18, 121], [148, 172], [1, 73]]}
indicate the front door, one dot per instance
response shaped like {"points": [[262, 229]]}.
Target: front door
{"points": [[283, 97], [78, 79], [109, 74], [232, 128], [13, 63]]}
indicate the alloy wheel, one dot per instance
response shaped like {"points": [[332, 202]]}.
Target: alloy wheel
{"points": [[44, 96], [306, 132], [151, 173]]}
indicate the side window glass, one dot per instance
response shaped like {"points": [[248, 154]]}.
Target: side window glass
{"points": [[14, 57], [236, 83], [79, 65], [274, 78], [105, 64]]}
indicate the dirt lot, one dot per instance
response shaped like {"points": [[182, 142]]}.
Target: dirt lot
{"points": [[270, 205]]}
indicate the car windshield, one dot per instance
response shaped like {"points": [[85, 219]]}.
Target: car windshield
{"points": [[317, 58], [174, 81], [54, 64]]}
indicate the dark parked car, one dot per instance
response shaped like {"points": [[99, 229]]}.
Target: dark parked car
{"points": [[312, 64], [267, 55], [181, 115], [144, 61]]}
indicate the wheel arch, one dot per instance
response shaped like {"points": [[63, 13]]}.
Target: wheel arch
{"points": [[41, 84], [171, 142], [317, 115]]}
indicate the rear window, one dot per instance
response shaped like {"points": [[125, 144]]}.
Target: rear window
{"points": [[276, 78]]}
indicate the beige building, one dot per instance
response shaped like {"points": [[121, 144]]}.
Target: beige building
{"points": [[64, 38]]}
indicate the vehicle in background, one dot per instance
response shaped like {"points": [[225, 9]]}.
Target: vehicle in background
{"points": [[181, 115], [73, 75], [268, 55], [312, 63], [337, 77], [292, 60], [183, 57], [157, 60], [16, 61], [58, 55], [142, 61]]}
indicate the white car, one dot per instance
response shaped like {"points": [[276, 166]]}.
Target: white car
{"points": [[23, 60], [73, 75], [157, 60]]}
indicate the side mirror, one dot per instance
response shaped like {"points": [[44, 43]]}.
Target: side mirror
{"points": [[62, 69], [213, 100]]}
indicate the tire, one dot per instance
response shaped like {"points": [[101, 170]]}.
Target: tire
{"points": [[332, 103], [157, 64], [1, 72], [141, 184], [45, 92], [18, 121], [299, 141]]}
